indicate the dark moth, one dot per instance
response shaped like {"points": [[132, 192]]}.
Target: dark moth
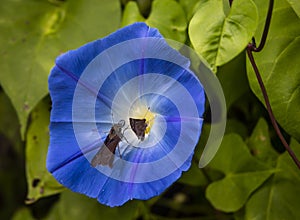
{"points": [[139, 127], [105, 155]]}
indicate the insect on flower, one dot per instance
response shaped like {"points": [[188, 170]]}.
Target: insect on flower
{"points": [[139, 127], [147, 86], [105, 155]]}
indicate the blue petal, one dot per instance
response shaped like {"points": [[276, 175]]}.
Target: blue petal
{"points": [[115, 193], [89, 181], [70, 65], [80, 121]]}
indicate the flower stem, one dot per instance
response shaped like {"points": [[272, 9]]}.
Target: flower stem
{"points": [[252, 48]]}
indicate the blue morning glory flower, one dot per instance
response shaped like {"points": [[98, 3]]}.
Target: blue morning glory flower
{"points": [[126, 116]]}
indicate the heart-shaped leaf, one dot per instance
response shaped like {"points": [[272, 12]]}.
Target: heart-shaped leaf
{"points": [[243, 175], [218, 37]]}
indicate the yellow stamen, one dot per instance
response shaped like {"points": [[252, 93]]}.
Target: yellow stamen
{"points": [[149, 120], [142, 112]]}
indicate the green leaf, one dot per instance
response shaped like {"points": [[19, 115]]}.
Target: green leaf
{"points": [[279, 197], [131, 14], [75, 206], [144, 7], [220, 38], [279, 67], [243, 175], [232, 74], [169, 17], [9, 125], [235, 126], [40, 182], [260, 143], [285, 86], [189, 7], [295, 4], [166, 15], [194, 176], [23, 214], [12, 179], [36, 33]]}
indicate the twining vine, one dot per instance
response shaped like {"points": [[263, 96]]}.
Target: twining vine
{"points": [[252, 48]]}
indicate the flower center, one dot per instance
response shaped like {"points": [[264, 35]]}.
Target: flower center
{"points": [[141, 121], [149, 116]]}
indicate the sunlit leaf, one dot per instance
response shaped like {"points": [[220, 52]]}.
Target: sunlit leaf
{"points": [[279, 66], [168, 16], [40, 182], [33, 33], [243, 175], [189, 7], [131, 14], [218, 37]]}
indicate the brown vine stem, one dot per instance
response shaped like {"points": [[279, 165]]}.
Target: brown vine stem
{"points": [[271, 115], [252, 48]]}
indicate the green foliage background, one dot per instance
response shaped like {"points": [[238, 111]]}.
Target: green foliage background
{"points": [[251, 177]]}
